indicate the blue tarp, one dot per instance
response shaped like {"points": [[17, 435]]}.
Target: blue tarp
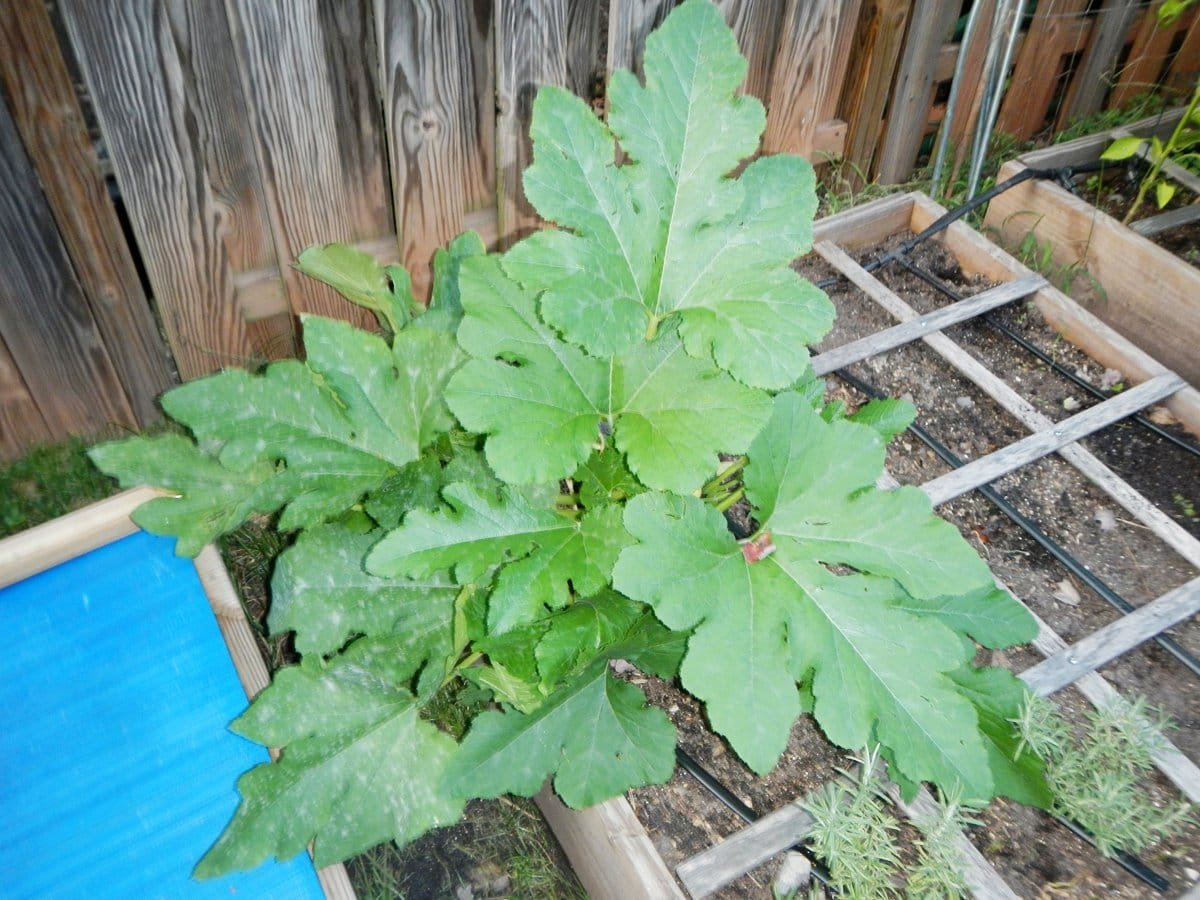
{"points": [[117, 770]]}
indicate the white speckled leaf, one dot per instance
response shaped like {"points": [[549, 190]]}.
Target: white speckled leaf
{"points": [[546, 557], [361, 767], [596, 733], [322, 592], [212, 498], [329, 430]]}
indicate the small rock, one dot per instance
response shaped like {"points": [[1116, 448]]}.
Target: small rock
{"points": [[1192, 874], [1070, 404], [464, 892], [621, 666], [1105, 519], [794, 874], [1067, 593], [1160, 415], [673, 708], [1110, 379], [964, 402], [500, 887]]}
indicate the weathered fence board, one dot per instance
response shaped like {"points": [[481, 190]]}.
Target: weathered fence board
{"points": [[169, 149], [873, 61], [1035, 77], [48, 327], [21, 424], [912, 89], [240, 131], [1097, 71], [322, 177], [440, 119], [532, 42], [810, 64], [48, 117], [1150, 54], [629, 21]]}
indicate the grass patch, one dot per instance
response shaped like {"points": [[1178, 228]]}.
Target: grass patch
{"points": [[48, 482]]}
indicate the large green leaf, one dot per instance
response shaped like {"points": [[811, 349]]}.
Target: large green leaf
{"points": [[813, 481], [211, 499], [361, 766], [545, 404], [330, 429], [321, 591], [545, 556], [868, 622], [999, 696], [688, 566], [596, 733], [671, 232]]}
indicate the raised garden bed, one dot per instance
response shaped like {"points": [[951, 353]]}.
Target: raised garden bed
{"points": [[1147, 292], [1153, 561]]}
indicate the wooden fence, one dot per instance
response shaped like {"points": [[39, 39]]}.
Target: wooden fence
{"points": [[162, 162]]}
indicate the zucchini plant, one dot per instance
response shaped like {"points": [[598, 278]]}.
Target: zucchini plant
{"points": [[511, 489]]}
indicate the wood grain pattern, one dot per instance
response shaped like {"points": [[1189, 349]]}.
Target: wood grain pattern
{"points": [[809, 65], [21, 424], [1151, 296], [872, 64], [930, 24], [987, 469], [161, 114], [1149, 54], [756, 25], [937, 320], [1034, 78], [1185, 69], [538, 42], [609, 850], [1096, 73], [47, 115], [629, 22], [322, 176], [744, 850], [440, 122], [1056, 672], [45, 320]]}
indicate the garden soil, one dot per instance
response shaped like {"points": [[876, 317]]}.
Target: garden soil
{"points": [[1034, 854]]}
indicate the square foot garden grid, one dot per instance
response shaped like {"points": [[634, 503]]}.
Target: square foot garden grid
{"points": [[609, 845]]}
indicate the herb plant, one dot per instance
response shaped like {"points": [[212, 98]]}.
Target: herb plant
{"points": [[1099, 781], [1182, 147], [521, 484]]}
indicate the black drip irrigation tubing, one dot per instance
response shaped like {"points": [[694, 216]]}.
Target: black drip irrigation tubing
{"points": [[1025, 344], [899, 253], [1074, 566], [714, 786]]}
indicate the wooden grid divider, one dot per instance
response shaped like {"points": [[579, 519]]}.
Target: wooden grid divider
{"points": [[711, 869]]}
